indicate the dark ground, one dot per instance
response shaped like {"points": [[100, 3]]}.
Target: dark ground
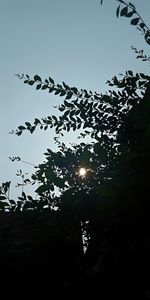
{"points": [[41, 257]]}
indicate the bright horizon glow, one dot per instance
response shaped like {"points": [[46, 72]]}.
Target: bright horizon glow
{"points": [[82, 171]]}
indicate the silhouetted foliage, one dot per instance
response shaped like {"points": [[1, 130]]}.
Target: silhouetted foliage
{"points": [[109, 202]]}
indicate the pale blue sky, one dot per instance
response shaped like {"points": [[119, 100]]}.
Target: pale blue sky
{"points": [[76, 41]]}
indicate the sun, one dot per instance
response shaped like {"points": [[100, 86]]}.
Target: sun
{"points": [[82, 171]]}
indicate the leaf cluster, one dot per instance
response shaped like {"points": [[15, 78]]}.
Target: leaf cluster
{"points": [[128, 10]]}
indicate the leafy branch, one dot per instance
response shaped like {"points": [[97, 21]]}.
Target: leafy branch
{"points": [[140, 54], [128, 10], [96, 114]]}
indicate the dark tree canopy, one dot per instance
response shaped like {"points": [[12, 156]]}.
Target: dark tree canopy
{"points": [[110, 203]]}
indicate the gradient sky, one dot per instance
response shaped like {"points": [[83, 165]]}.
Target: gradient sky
{"points": [[76, 41]]}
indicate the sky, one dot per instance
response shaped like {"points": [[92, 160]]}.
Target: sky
{"points": [[79, 42]]}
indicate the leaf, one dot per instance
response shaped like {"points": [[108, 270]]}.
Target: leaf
{"points": [[61, 108], [32, 129], [74, 127], [50, 151], [67, 104], [24, 195], [37, 78], [12, 202], [79, 120], [77, 112], [2, 198], [66, 114], [41, 189], [28, 124], [75, 90], [18, 133], [37, 121], [51, 89], [130, 14], [33, 177], [148, 41], [63, 93], [72, 113], [21, 198], [147, 37], [59, 86], [131, 5], [142, 25], [57, 92], [66, 86], [79, 126], [30, 198], [143, 76], [51, 80], [31, 82], [130, 73], [117, 11], [44, 87], [21, 127], [69, 95], [134, 21], [38, 86], [55, 118], [124, 11]]}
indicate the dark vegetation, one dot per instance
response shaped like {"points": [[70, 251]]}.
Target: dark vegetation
{"points": [[42, 248]]}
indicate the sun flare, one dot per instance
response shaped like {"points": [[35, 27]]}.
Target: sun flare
{"points": [[82, 171]]}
